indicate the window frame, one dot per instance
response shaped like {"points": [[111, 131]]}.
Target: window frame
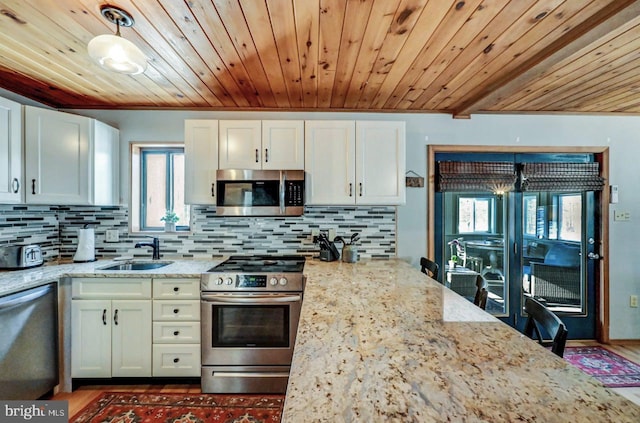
{"points": [[136, 195], [492, 200]]}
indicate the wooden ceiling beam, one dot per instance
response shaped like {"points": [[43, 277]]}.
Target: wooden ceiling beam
{"points": [[611, 17]]}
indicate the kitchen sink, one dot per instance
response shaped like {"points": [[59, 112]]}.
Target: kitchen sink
{"points": [[137, 265]]}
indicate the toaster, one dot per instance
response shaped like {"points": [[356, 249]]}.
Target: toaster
{"points": [[20, 256]]}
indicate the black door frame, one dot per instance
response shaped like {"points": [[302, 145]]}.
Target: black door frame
{"points": [[601, 155]]}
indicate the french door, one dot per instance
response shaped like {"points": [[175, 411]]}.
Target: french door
{"points": [[542, 244]]}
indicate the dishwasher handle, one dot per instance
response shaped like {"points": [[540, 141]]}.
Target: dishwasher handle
{"points": [[24, 296]]}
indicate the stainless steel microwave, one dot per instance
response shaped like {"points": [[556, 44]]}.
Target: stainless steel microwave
{"points": [[244, 192]]}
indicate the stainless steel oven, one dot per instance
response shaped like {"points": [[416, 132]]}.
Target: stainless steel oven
{"points": [[250, 308]]}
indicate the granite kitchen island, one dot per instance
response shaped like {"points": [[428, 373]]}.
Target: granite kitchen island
{"points": [[378, 341]]}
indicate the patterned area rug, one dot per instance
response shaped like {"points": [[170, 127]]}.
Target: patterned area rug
{"points": [[147, 407], [609, 368]]}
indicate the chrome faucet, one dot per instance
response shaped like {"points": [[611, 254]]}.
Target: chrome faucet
{"points": [[155, 244]]}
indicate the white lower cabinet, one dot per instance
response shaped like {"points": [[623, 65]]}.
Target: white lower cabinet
{"points": [[176, 327], [110, 334]]}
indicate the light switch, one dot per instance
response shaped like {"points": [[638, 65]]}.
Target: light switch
{"points": [[621, 216]]}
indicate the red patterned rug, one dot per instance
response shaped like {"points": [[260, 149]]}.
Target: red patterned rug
{"points": [[611, 369], [147, 407]]}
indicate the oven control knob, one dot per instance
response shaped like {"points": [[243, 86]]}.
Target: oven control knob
{"points": [[229, 281], [218, 281], [273, 281], [283, 281]]}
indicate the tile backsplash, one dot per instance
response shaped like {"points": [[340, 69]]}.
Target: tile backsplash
{"points": [[55, 229]]}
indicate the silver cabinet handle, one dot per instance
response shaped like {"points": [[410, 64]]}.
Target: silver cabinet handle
{"points": [[15, 184]]}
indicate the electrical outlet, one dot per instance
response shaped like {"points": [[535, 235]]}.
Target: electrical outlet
{"points": [[112, 235], [633, 301], [332, 234], [315, 232]]}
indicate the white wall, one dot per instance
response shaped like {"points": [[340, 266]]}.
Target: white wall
{"points": [[620, 134]]}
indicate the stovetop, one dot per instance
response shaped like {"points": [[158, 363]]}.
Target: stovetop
{"points": [[258, 273], [261, 264]]}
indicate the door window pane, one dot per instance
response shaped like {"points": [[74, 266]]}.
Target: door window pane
{"points": [[570, 217]]}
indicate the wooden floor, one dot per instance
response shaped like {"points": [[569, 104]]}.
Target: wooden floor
{"points": [[82, 396]]}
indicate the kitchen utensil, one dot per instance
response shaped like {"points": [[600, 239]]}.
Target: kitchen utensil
{"points": [[354, 237]]}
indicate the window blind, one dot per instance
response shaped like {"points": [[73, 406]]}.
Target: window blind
{"points": [[476, 176], [561, 177]]}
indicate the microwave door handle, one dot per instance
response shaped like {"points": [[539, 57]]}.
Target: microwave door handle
{"points": [[283, 179], [253, 299]]}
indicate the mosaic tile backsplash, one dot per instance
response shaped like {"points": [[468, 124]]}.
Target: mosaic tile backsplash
{"points": [[55, 229]]}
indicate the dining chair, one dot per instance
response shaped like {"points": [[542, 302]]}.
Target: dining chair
{"points": [[540, 316], [429, 268], [482, 292]]}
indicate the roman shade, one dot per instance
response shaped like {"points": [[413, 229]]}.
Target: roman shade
{"points": [[561, 177], [476, 176]]}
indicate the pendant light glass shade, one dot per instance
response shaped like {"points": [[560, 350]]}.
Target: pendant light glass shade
{"points": [[117, 54], [113, 52]]}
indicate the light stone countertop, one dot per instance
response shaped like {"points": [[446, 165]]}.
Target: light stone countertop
{"points": [[17, 280], [378, 341]]}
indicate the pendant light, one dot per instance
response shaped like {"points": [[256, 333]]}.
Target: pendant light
{"points": [[113, 52]]}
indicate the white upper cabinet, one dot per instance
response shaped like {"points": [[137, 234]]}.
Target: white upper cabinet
{"points": [[11, 184], [329, 148], [283, 144], [380, 162], [69, 159], [240, 144], [201, 160], [267, 144], [355, 163]]}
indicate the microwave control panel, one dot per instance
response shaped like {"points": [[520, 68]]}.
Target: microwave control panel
{"points": [[294, 193]]}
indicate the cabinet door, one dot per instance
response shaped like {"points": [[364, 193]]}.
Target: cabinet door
{"points": [[131, 339], [283, 144], [106, 170], [201, 161], [91, 338], [57, 157], [10, 151], [240, 144], [380, 162], [329, 150]]}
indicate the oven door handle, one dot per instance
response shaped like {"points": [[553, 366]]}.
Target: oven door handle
{"points": [[253, 299]]}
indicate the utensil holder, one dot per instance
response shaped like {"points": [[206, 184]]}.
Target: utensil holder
{"points": [[349, 254]]}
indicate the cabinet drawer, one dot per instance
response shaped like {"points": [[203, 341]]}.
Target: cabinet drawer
{"points": [[176, 360], [176, 288], [176, 332], [111, 288], [171, 310]]}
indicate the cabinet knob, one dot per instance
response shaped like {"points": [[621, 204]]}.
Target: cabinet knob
{"points": [[176, 310], [176, 333], [175, 360], [176, 288]]}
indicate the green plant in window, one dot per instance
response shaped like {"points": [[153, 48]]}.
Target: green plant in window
{"points": [[170, 217]]}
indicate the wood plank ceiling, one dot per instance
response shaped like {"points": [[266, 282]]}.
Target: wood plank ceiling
{"points": [[459, 57]]}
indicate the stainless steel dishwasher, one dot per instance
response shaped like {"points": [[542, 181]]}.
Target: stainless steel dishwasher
{"points": [[29, 343]]}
